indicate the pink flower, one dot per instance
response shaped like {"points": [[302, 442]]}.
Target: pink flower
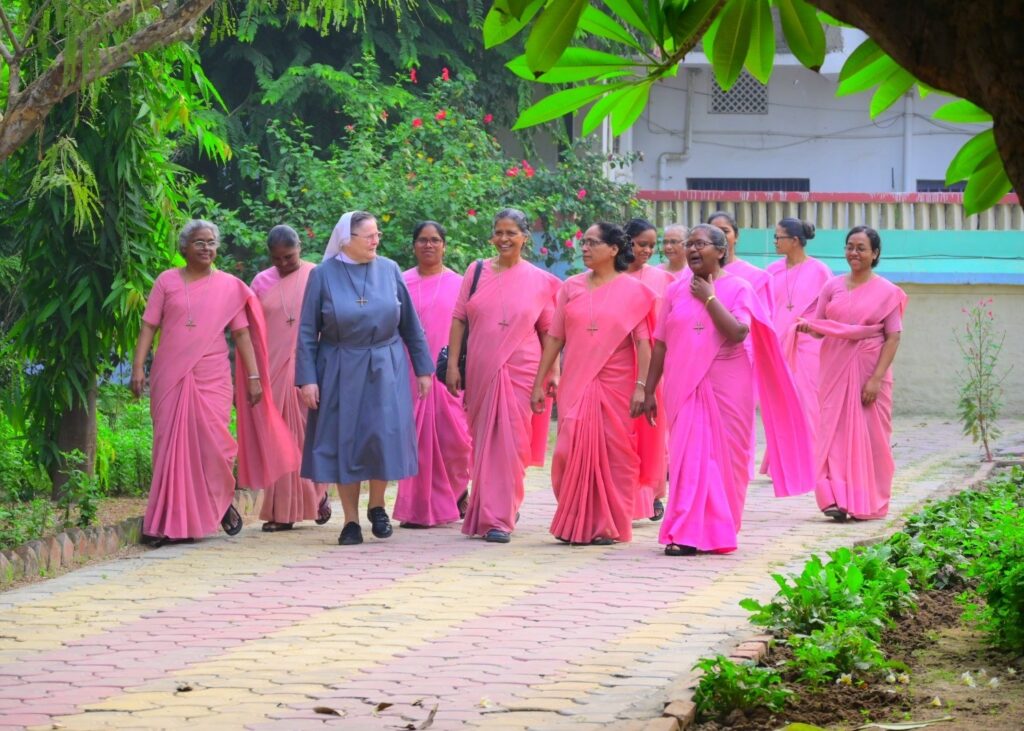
{"points": [[349, 127], [412, 76], [544, 250], [579, 234], [444, 74], [528, 169], [512, 172], [417, 122], [582, 194], [309, 232], [384, 115], [488, 118], [570, 244], [471, 212], [440, 115], [990, 313]]}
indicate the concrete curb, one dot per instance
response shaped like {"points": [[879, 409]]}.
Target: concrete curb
{"points": [[680, 712], [68, 549]]}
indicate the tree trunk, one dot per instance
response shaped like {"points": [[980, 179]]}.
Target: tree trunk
{"points": [[77, 431], [971, 48]]}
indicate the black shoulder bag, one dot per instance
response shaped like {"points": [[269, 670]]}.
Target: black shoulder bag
{"points": [[442, 357]]}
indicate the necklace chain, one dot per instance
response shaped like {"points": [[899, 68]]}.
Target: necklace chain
{"points": [[361, 300], [190, 323], [289, 317], [501, 295], [791, 285]]}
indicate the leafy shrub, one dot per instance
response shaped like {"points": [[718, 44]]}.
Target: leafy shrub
{"points": [[825, 654], [25, 521], [727, 686], [81, 490], [124, 443], [980, 380]]}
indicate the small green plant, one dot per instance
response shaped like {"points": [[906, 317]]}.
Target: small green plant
{"points": [[980, 380], [825, 654], [81, 490], [23, 521], [727, 686], [997, 600]]}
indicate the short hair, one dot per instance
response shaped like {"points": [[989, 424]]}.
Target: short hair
{"points": [[685, 229], [801, 230], [418, 229], [282, 235], [191, 227], [873, 238], [717, 237], [613, 235], [728, 217], [515, 216]]}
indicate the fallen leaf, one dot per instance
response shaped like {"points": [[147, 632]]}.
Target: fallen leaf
{"points": [[802, 727], [484, 702], [418, 703], [183, 688], [381, 707], [905, 726], [430, 718], [326, 711], [937, 702]]}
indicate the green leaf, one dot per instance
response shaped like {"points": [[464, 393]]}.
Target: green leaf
{"points": [[863, 55], [562, 102], [595, 22], [552, 33], [631, 106], [630, 12], [601, 109], [576, 64], [500, 27], [969, 157], [761, 56], [683, 20], [870, 75], [987, 185], [801, 727], [898, 84], [803, 31], [962, 111], [830, 20], [732, 40]]}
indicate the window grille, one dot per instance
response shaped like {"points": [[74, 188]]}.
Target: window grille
{"points": [[747, 96], [939, 186], [758, 184]]}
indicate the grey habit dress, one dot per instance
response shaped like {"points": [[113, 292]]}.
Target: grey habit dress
{"points": [[364, 427]]}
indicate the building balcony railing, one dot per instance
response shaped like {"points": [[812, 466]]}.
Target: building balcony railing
{"points": [[907, 211]]}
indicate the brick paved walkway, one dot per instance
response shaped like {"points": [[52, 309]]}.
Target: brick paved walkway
{"points": [[257, 631]]}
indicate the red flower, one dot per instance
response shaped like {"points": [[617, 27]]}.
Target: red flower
{"points": [[528, 169], [488, 118], [579, 234], [570, 244], [412, 76], [512, 172], [582, 194], [349, 127], [440, 115], [544, 250], [417, 122], [309, 232], [384, 115], [444, 74], [471, 212]]}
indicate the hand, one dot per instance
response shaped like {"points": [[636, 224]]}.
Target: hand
{"points": [[636, 403], [869, 394], [138, 382], [423, 385], [702, 288], [651, 408], [553, 380], [452, 379], [310, 395], [255, 394], [537, 399], [802, 326]]}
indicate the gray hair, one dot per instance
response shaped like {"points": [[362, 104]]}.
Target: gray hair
{"points": [[717, 237], [681, 226], [191, 227], [282, 235], [515, 216]]}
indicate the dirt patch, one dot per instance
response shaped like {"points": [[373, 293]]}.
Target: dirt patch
{"points": [[938, 649]]}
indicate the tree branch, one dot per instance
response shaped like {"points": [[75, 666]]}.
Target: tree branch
{"points": [[18, 48]]}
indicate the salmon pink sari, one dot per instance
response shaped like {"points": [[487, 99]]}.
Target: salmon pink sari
{"points": [[507, 315], [595, 467], [853, 453], [190, 401], [709, 407], [291, 498]]}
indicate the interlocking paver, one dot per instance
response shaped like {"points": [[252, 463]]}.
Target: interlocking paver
{"points": [[532, 635]]}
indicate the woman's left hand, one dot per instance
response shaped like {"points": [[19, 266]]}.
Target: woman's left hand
{"points": [[423, 384], [702, 288], [552, 389], [636, 404], [255, 394], [869, 394]]}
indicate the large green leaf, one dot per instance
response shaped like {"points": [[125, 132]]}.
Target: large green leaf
{"points": [[501, 26], [803, 31], [898, 84], [970, 156], [551, 33], [761, 56], [576, 64], [630, 11], [601, 109], [963, 112], [870, 75], [630, 107], [863, 55], [597, 23], [561, 103], [685, 19], [732, 40]]}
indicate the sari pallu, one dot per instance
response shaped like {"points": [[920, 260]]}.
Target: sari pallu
{"points": [[291, 498], [595, 467], [853, 455], [501, 364], [709, 406], [190, 402]]}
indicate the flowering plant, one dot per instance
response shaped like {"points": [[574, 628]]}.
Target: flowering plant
{"points": [[980, 385]]}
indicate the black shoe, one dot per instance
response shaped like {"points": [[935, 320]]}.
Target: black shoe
{"points": [[659, 510], [674, 549], [497, 536], [602, 541], [323, 511], [463, 503], [407, 524], [231, 522], [351, 535], [836, 513], [380, 523]]}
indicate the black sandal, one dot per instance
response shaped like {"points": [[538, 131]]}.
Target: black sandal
{"points": [[659, 510], [323, 511], [463, 503], [836, 513], [675, 549], [232, 521], [272, 527]]}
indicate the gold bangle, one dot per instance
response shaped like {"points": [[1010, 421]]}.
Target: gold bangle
{"points": [[709, 300]]}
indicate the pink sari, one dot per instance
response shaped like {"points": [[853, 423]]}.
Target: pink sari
{"points": [[709, 407], [853, 453], [500, 367], [651, 440], [595, 467], [291, 498], [442, 433], [190, 401], [795, 293]]}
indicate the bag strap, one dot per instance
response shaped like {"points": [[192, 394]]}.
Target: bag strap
{"points": [[476, 277]]}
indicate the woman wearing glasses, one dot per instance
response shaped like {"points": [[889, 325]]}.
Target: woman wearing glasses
{"points": [[672, 247], [601, 322], [353, 371], [437, 493], [709, 401], [191, 394], [507, 315], [859, 316]]}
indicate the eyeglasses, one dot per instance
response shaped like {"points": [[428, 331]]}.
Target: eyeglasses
{"points": [[204, 243], [433, 241], [673, 242], [697, 245], [780, 238], [591, 243], [375, 236]]}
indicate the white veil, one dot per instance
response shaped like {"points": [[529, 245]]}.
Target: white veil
{"points": [[340, 236]]}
